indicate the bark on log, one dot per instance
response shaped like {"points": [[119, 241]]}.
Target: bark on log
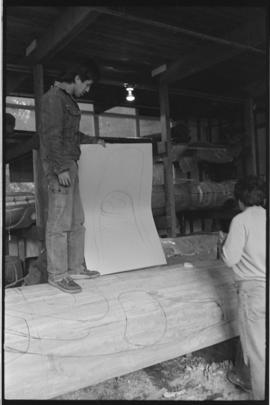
{"points": [[57, 342]]}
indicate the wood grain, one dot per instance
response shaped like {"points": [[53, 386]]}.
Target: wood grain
{"points": [[57, 342]]}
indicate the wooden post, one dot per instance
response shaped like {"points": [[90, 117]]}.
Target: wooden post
{"points": [[256, 143], [167, 160], [137, 124], [39, 177], [96, 125], [198, 130], [251, 167], [209, 130]]}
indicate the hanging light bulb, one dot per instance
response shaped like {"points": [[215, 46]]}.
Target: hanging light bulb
{"points": [[130, 96]]}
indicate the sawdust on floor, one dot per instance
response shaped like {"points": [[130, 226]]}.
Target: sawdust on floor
{"points": [[189, 377]]}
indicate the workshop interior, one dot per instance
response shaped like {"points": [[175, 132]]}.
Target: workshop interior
{"points": [[181, 104]]}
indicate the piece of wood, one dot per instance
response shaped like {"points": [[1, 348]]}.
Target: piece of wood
{"points": [[57, 343], [137, 124], [251, 166], [40, 181], [205, 56], [167, 160], [23, 69], [232, 41], [115, 184], [69, 25]]}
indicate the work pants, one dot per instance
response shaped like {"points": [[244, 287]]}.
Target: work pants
{"points": [[64, 231], [251, 314]]}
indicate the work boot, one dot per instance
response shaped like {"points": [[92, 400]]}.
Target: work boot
{"points": [[67, 285], [238, 381], [85, 273]]}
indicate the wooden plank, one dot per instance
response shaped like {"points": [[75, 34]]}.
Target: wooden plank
{"points": [[57, 343], [233, 42], [137, 123], [251, 166], [39, 177], [68, 26], [167, 160], [206, 56], [140, 86]]}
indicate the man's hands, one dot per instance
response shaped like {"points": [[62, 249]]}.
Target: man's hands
{"points": [[101, 142], [64, 179], [222, 237], [220, 242]]}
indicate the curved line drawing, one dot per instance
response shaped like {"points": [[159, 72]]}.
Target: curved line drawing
{"points": [[136, 347], [27, 340], [154, 299], [116, 200]]}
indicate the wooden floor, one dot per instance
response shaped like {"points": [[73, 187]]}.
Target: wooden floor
{"points": [[57, 342]]}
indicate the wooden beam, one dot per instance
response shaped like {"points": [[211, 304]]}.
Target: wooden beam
{"points": [[256, 142], [137, 124], [159, 70], [234, 43], [67, 27], [206, 56], [70, 24], [39, 177], [57, 343], [251, 164], [96, 126], [141, 86], [167, 160]]}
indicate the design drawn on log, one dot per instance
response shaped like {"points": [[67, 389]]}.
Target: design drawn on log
{"points": [[137, 306], [17, 338], [133, 325]]}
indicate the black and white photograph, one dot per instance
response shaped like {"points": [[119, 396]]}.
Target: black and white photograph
{"points": [[135, 201]]}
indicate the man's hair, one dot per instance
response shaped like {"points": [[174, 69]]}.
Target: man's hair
{"points": [[88, 70], [250, 191]]}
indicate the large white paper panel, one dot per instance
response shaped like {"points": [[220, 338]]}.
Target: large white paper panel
{"points": [[116, 184]]}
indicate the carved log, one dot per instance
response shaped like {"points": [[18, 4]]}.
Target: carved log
{"points": [[57, 342]]}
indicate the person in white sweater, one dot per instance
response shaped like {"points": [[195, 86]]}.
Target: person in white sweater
{"points": [[244, 249]]}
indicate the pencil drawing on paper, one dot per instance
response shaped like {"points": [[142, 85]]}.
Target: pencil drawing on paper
{"points": [[120, 231]]}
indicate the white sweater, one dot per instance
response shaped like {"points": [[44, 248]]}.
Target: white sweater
{"points": [[245, 247]]}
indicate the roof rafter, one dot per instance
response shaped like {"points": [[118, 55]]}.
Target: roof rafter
{"points": [[204, 57], [142, 86], [67, 27], [232, 42]]}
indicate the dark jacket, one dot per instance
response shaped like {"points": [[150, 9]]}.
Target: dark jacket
{"points": [[59, 130]]}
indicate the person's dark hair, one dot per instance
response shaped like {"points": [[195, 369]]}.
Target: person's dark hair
{"points": [[88, 70], [250, 191]]}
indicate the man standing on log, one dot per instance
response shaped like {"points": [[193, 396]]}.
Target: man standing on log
{"points": [[60, 152], [244, 249]]}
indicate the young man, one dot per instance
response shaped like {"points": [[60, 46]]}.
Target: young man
{"points": [[60, 152], [244, 249]]}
